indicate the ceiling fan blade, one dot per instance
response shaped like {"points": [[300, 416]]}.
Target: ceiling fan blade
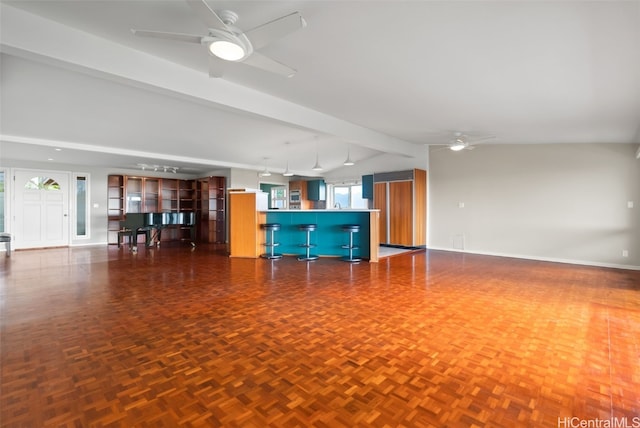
{"points": [[265, 63], [479, 139], [189, 38], [217, 67], [264, 34], [206, 14]]}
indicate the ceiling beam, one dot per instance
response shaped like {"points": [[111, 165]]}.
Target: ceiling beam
{"points": [[33, 37]]}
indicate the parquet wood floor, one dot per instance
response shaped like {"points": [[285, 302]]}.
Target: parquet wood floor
{"points": [[101, 337]]}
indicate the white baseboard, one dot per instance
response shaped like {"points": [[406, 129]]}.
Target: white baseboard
{"points": [[542, 259], [90, 244]]}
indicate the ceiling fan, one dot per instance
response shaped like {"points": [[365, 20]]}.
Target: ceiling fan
{"points": [[227, 43], [463, 141]]}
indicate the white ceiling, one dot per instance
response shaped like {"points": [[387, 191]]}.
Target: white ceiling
{"points": [[380, 78]]}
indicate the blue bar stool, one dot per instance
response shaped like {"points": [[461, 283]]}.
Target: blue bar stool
{"points": [[351, 229], [271, 243], [308, 228]]}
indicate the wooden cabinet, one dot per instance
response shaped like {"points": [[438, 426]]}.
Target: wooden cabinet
{"points": [[115, 206], [132, 194], [142, 194], [169, 196], [211, 208], [301, 187], [401, 198], [187, 195], [245, 218]]}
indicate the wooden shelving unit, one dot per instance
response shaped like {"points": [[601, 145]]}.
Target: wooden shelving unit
{"points": [[169, 195], [211, 209], [115, 206], [187, 195], [217, 210], [206, 197]]}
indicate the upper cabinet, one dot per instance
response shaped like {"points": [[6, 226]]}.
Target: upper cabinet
{"points": [[316, 190], [142, 194], [367, 186]]}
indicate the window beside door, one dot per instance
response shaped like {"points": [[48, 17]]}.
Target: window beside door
{"points": [[2, 202], [81, 229]]}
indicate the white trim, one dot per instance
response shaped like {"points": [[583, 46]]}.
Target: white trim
{"points": [[91, 244], [542, 259], [5, 198]]}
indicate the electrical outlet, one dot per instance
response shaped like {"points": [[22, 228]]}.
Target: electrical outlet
{"points": [[625, 253], [630, 204]]}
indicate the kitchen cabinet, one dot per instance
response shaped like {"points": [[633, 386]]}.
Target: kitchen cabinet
{"points": [[401, 198], [299, 187], [367, 186], [316, 190]]}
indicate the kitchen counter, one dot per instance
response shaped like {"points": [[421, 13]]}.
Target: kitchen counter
{"points": [[331, 210], [328, 236]]}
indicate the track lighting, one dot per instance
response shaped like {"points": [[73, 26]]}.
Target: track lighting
{"points": [[156, 168]]}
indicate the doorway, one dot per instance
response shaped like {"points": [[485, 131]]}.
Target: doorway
{"points": [[41, 209]]}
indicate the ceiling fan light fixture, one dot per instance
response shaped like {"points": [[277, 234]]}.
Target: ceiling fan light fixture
{"points": [[227, 50], [457, 146]]}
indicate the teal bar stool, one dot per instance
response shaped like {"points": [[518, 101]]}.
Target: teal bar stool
{"points": [[351, 229], [271, 244], [308, 228]]}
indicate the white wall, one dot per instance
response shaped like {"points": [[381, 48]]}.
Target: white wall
{"points": [[566, 202], [97, 192], [243, 179]]}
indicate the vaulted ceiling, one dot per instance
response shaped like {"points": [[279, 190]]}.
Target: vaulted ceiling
{"points": [[374, 78]]}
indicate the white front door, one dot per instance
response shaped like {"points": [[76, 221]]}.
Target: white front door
{"points": [[41, 209]]}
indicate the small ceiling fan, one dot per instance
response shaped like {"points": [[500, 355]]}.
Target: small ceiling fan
{"points": [[227, 43], [464, 141]]}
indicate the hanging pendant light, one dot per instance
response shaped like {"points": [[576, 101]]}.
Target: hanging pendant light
{"points": [[349, 162], [286, 172], [317, 166], [266, 172]]}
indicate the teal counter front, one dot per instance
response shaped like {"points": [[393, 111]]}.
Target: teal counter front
{"points": [[328, 236]]}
